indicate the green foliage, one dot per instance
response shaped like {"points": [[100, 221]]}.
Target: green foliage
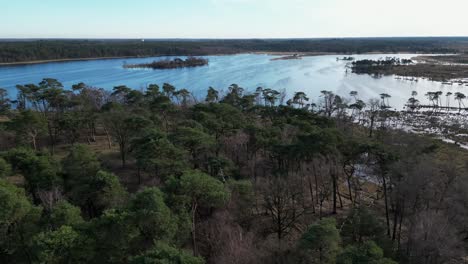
{"points": [[89, 187], [5, 168], [243, 190], [64, 213], [366, 253], [114, 236], [243, 197], [63, 245], [28, 126], [319, 141], [162, 111], [107, 192], [152, 216], [360, 225], [222, 168], [50, 100], [19, 222], [300, 98], [152, 91], [71, 124], [194, 139], [4, 102], [79, 166], [212, 95], [123, 126], [40, 170], [15, 205], [168, 89], [182, 96], [220, 119], [183, 222], [294, 157], [321, 242], [197, 190], [156, 154], [262, 138], [203, 190], [165, 254], [234, 96]]}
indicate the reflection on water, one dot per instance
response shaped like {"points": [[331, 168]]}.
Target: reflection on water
{"points": [[310, 74]]}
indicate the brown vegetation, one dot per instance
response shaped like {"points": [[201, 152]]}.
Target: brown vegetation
{"points": [[436, 68]]}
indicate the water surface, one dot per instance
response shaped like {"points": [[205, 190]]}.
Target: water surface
{"points": [[310, 74]]}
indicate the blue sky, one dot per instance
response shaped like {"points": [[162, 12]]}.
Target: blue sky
{"points": [[231, 18]]}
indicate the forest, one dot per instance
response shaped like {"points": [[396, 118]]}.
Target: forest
{"points": [[17, 51], [378, 67], [159, 176]]}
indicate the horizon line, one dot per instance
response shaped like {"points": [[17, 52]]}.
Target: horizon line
{"points": [[221, 38]]}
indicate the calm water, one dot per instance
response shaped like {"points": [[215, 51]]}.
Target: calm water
{"points": [[311, 75]]}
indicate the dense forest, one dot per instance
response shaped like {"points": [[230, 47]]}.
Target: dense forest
{"points": [[12, 51], [155, 176], [378, 67]]}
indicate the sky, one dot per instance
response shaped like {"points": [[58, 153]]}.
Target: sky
{"points": [[231, 18]]}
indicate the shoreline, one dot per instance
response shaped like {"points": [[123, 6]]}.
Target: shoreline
{"points": [[24, 63], [271, 53], [433, 68]]}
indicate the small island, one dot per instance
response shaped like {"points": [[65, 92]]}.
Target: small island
{"points": [[345, 59], [171, 64], [379, 67], [289, 57]]}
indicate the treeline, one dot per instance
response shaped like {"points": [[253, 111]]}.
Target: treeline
{"points": [[171, 64], [36, 50], [378, 67], [154, 176], [433, 69]]}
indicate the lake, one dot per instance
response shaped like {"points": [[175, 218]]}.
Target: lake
{"points": [[310, 75]]}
